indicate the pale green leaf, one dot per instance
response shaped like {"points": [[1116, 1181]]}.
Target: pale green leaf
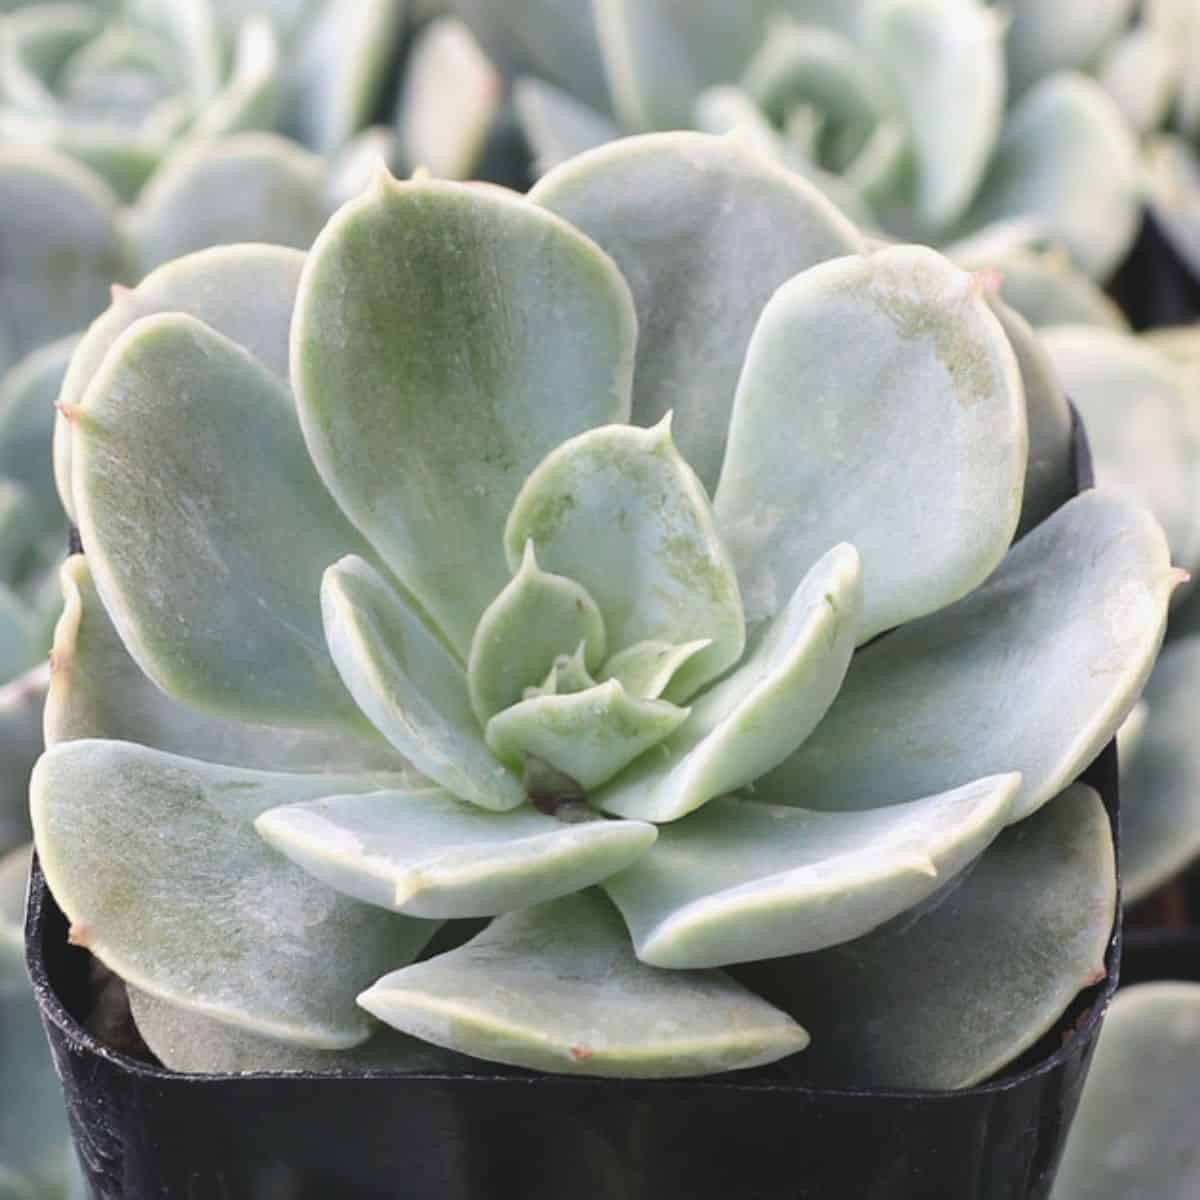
{"points": [[21, 701], [534, 620], [948, 995], [877, 389], [217, 606], [238, 932], [409, 685], [743, 881], [705, 230], [556, 125], [1032, 672], [620, 512], [1044, 38], [557, 988], [427, 854], [587, 736], [98, 691], [418, 429], [646, 669]]}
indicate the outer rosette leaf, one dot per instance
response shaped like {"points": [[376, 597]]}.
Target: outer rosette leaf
{"points": [[447, 337], [877, 389], [619, 511], [156, 423], [239, 934], [427, 854], [705, 230], [946, 995], [1034, 671], [744, 881], [557, 988], [1047, 38]]}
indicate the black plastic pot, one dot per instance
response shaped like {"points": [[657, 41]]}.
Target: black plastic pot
{"points": [[142, 1131], [1155, 286]]}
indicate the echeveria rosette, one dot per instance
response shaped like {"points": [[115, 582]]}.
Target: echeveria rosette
{"points": [[1134, 1133], [901, 110], [579, 505]]}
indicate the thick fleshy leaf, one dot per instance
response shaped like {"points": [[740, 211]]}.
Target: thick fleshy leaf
{"points": [[27, 395], [1142, 422], [239, 933], [756, 716], [451, 96], [555, 124], [619, 511], [185, 1041], [646, 669], [339, 69], [1045, 38], [1160, 778], [1135, 1133], [1064, 130], [947, 996], [254, 187], [219, 608], [1032, 672], [243, 292], [568, 675], [743, 881], [410, 686], [705, 230], [1050, 469], [21, 701], [537, 617], [877, 389], [61, 247], [945, 60], [418, 429], [427, 854], [557, 988], [98, 691], [587, 736]]}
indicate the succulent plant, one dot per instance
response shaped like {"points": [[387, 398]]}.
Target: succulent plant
{"points": [[914, 115], [1135, 1134], [522, 560]]}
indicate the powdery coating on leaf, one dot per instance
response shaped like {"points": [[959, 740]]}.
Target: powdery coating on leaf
{"points": [[944, 998], [418, 427], [238, 934], [557, 988], [170, 507], [98, 691], [1135, 1131], [743, 881], [880, 404], [427, 854], [1070, 624], [704, 230]]}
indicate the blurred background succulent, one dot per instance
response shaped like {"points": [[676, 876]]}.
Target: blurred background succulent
{"points": [[1135, 1132], [930, 120], [473, 491]]}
